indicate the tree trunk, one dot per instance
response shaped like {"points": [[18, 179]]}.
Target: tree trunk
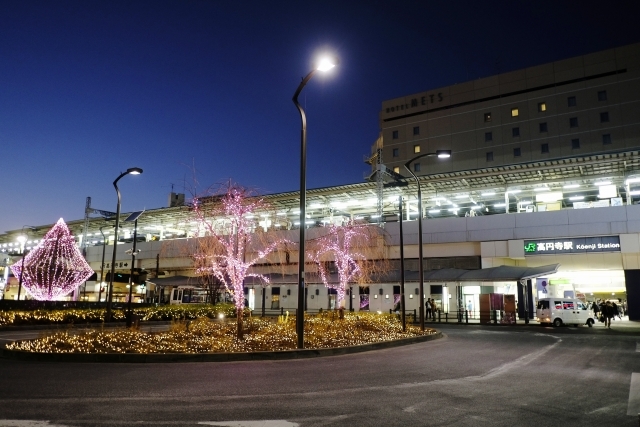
{"points": [[239, 314]]}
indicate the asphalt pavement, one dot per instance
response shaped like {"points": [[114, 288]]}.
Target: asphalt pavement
{"points": [[475, 376]]}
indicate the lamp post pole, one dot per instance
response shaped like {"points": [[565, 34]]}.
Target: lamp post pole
{"points": [[133, 171], [23, 255], [402, 306], [440, 154], [133, 262], [323, 66], [104, 245]]}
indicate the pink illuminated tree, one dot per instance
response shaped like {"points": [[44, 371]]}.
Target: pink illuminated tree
{"points": [[55, 267], [231, 240], [353, 249]]}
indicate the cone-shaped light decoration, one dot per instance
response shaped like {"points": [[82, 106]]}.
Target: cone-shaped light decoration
{"points": [[55, 267]]}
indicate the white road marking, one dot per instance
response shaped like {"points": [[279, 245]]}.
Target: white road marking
{"points": [[257, 423], [633, 408], [28, 423]]}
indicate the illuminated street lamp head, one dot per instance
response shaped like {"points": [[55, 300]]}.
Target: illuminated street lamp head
{"points": [[21, 239], [134, 171], [443, 154], [326, 63]]}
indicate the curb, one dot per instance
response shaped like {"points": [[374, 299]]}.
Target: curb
{"points": [[21, 355]]}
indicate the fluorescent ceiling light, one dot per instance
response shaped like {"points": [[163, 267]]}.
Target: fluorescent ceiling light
{"points": [[310, 222], [514, 191], [542, 189], [574, 198], [375, 216], [316, 205], [602, 183], [499, 205], [462, 196], [490, 193], [571, 186], [476, 207], [525, 202], [434, 211], [454, 210]]}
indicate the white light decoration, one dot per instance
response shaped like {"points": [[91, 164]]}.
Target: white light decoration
{"points": [[55, 267]]}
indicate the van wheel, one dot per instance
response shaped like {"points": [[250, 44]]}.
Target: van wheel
{"points": [[590, 323], [557, 323]]}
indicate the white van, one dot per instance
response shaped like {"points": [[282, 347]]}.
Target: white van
{"points": [[559, 311]]}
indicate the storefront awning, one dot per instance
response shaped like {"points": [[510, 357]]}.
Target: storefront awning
{"points": [[504, 273]]}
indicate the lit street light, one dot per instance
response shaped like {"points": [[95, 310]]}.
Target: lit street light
{"points": [[132, 171], [324, 64], [442, 154]]}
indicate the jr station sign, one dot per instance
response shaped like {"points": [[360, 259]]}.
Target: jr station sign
{"points": [[577, 245]]}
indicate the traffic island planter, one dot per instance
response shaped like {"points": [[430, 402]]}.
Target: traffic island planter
{"points": [[22, 355]]}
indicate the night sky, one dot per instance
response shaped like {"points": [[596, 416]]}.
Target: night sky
{"points": [[200, 91]]}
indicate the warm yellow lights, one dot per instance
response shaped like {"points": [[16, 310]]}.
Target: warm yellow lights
{"points": [[203, 335]]}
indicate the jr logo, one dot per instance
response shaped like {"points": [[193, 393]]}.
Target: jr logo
{"points": [[530, 247]]}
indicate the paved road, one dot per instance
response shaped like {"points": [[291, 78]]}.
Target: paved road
{"points": [[475, 376]]}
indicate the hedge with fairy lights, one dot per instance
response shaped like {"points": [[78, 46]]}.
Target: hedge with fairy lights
{"points": [[203, 335]]}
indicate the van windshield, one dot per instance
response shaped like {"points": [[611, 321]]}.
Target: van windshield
{"points": [[543, 305]]}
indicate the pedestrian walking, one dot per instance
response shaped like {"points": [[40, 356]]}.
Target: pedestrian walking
{"points": [[434, 308], [608, 311]]}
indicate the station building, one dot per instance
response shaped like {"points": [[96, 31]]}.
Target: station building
{"points": [[545, 170]]}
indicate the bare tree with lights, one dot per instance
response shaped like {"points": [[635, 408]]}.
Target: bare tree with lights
{"points": [[231, 241], [354, 249]]}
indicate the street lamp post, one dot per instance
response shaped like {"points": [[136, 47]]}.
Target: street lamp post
{"points": [[323, 65], [133, 263], [22, 239], [441, 154], [132, 171], [104, 245]]}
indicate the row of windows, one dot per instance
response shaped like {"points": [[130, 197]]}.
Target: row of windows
{"points": [[573, 123], [542, 106], [544, 148]]}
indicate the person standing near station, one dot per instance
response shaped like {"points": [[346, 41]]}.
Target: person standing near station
{"points": [[427, 306]]}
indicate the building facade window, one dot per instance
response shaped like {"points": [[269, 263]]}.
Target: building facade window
{"points": [[396, 169], [544, 148], [490, 156], [515, 132], [416, 167], [543, 127], [488, 136], [396, 152], [602, 95], [571, 101], [573, 122], [575, 144], [394, 134], [517, 152], [606, 139], [515, 112], [416, 130], [542, 107], [416, 148], [604, 117], [487, 117]]}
